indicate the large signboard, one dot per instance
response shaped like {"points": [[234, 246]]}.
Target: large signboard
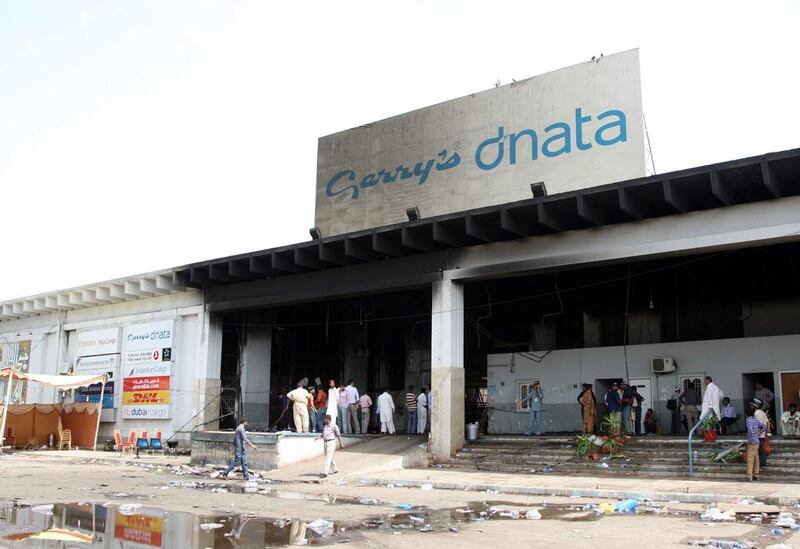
{"points": [[98, 342], [573, 128], [147, 367], [144, 529], [94, 365]]}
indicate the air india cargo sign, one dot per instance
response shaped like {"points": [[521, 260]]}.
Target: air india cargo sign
{"points": [[573, 128], [147, 369]]}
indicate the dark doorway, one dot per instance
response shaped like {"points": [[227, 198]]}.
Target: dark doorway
{"points": [[767, 379]]}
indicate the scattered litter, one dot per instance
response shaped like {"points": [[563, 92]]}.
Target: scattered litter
{"points": [[426, 487], [208, 526], [129, 508], [426, 528], [533, 514], [724, 543], [219, 490], [626, 506], [405, 506], [322, 527], [603, 465], [714, 514], [390, 485], [787, 520], [778, 546], [43, 509], [415, 519], [777, 531], [454, 529], [492, 491], [464, 511], [250, 487]]}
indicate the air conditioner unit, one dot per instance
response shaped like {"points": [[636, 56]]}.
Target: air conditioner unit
{"points": [[663, 365]]}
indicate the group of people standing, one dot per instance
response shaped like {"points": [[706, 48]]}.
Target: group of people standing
{"points": [[625, 400], [687, 405], [351, 411]]}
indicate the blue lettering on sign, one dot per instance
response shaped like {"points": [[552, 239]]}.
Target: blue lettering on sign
{"points": [[557, 139]]}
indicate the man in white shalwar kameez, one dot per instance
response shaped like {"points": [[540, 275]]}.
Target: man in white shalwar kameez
{"points": [[386, 412], [422, 412], [711, 398], [333, 400]]}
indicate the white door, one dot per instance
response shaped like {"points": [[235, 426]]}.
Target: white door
{"points": [[645, 387]]}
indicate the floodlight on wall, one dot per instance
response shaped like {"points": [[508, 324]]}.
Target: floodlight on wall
{"points": [[413, 213], [315, 233], [538, 189]]}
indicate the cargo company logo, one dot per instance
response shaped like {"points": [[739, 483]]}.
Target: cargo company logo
{"points": [[155, 336], [555, 140]]}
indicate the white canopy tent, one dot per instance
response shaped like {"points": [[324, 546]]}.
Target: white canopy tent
{"points": [[63, 382]]}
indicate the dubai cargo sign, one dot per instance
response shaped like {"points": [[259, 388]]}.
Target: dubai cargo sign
{"points": [[147, 369], [573, 128]]}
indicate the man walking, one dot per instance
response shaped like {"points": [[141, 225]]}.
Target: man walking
{"points": [[364, 404], [674, 407], [763, 419], [352, 407], [411, 411], [422, 411], [239, 450], [535, 400], [386, 412], [330, 435], [690, 401], [754, 428], [301, 400]]}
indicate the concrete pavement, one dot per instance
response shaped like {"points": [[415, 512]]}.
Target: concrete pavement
{"points": [[683, 490]]}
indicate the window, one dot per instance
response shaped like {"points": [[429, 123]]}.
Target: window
{"points": [[524, 388]]}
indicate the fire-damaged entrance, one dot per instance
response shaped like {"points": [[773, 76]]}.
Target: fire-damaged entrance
{"points": [[379, 341]]}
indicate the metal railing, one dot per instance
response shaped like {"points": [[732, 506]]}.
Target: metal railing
{"points": [[691, 435]]}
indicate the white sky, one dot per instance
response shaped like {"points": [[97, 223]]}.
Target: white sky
{"points": [[136, 136]]}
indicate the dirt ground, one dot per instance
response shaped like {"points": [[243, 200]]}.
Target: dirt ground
{"points": [[41, 479]]}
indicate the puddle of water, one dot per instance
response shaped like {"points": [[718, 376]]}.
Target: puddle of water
{"points": [[97, 526]]}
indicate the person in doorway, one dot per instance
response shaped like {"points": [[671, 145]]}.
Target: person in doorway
{"points": [[636, 403], [612, 399], [535, 403], [650, 422], [764, 395], [758, 412], [321, 404], [386, 412], [411, 411], [690, 400], [352, 407], [330, 436], [626, 406], [301, 401], [333, 402], [422, 411], [312, 409], [674, 407], [791, 422], [342, 408], [588, 409], [239, 450], [727, 417], [364, 404], [711, 398]]}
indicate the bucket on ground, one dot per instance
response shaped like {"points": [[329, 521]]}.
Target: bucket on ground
{"points": [[472, 431]]}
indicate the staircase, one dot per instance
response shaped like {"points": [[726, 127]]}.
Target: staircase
{"points": [[645, 457]]}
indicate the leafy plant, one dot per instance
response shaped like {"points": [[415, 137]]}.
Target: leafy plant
{"points": [[611, 446], [612, 424], [710, 423], [584, 444]]}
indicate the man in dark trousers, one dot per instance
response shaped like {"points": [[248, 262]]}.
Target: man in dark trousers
{"points": [[239, 450]]}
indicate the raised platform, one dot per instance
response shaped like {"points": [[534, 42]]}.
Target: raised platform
{"points": [[273, 450]]}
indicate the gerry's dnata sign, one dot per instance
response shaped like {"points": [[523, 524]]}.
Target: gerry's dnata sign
{"points": [[572, 128]]}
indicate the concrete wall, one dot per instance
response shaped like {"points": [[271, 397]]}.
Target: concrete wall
{"points": [[190, 369], [562, 372]]}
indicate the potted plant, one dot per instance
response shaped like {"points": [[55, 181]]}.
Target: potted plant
{"points": [[710, 428]]}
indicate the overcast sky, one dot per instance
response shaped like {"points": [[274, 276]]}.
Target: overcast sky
{"points": [[136, 136]]}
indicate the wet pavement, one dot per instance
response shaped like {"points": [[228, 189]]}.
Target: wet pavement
{"points": [[135, 524]]}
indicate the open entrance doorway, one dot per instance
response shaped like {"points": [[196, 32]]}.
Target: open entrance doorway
{"points": [[789, 391], [749, 386], [601, 387]]}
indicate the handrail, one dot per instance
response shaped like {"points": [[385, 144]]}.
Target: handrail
{"points": [[691, 433]]}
